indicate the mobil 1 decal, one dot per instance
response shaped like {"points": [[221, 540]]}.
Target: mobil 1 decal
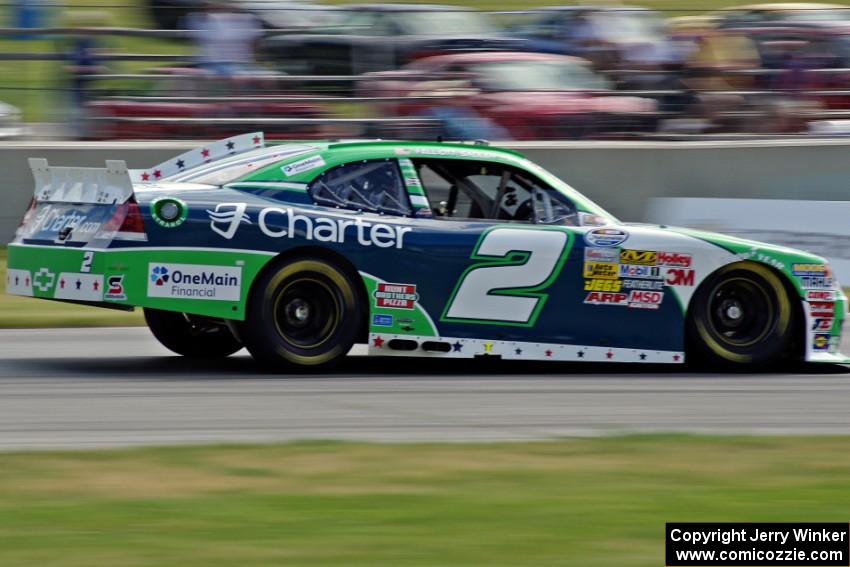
{"points": [[508, 282]]}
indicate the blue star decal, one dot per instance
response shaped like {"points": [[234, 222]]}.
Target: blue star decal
{"points": [[457, 346], [230, 146], [518, 351], [181, 164], [580, 354], [642, 356]]}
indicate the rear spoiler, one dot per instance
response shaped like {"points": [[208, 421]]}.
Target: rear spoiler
{"points": [[86, 185], [200, 156]]}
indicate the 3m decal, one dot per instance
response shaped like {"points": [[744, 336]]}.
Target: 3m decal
{"points": [[603, 298], [640, 257], [640, 272], [507, 285], [676, 276], [286, 223], [600, 270], [194, 281], [605, 237], [396, 296], [302, 165], [115, 288], [602, 285]]}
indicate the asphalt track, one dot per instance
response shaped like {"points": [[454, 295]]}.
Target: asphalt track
{"points": [[78, 388]]}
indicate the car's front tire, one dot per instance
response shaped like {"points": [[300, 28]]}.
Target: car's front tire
{"points": [[304, 314], [191, 336], [741, 315]]}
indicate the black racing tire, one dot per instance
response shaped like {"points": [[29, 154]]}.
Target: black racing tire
{"points": [[742, 315], [190, 336], [302, 314]]}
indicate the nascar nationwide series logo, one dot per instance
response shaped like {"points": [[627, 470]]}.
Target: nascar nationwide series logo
{"points": [[275, 222], [195, 281], [396, 296]]}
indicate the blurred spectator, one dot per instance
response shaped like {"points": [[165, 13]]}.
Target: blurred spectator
{"points": [[226, 39], [83, 63]]}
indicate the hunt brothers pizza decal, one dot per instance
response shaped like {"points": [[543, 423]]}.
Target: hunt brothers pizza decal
{"points": [[396, 296]]}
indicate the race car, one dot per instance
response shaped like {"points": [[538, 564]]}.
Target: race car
{"points": [[297, 251]]}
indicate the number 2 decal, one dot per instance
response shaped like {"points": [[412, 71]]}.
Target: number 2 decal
{"points": [[88, 256], [506, 287]]}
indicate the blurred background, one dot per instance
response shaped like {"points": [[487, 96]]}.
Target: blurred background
{"points": [[495, 69]]}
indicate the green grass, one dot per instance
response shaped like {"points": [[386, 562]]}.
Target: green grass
{"points": [[589, 502], [25, 312]]}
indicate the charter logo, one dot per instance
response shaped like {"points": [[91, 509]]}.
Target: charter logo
{"points": [[227, 217], [195, 281]]}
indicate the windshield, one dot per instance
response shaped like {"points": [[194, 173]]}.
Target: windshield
{"points": [[538, 76], [452, 22], [628, 26], [818, 15]]}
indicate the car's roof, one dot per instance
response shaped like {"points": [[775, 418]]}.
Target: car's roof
{"points": [[593, 8], [407, 8], [497, 56], [787, 6]]}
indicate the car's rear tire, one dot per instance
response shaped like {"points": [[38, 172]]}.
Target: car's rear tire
{"points": [[302, 314], [191, 336], [741, 315]]}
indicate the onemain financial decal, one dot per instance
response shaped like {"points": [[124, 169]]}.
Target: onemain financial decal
{"points": [[194, 281], [275, 222]]}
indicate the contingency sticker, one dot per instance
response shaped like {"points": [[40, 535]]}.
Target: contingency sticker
{"points": [[303, 165], [194, 281]]}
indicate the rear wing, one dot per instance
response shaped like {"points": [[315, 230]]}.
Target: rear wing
{"points": [[201, 156], [85, 185]]}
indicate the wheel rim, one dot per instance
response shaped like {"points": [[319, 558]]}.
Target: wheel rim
{"points": [[740, 312], [306, 312]]}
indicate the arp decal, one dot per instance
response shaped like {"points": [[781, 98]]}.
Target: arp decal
{"points": [[605, 237], [396, 296], [603, 298], [820, 295]]}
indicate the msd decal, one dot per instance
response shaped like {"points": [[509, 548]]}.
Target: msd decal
{"points": [[396, 296], [820, 295], [645, 299], [195, 281]]}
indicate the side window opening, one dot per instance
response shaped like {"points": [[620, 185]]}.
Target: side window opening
{"points": [[373, 186], [463, 189]]}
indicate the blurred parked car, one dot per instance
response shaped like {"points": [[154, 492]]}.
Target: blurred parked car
{"points": [[379, 37], [191, 93], [782, 12], [610, 36], [10, 121], [528, 95]]}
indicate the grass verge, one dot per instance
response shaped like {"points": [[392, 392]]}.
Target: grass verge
{"points": [[25, 312], [589, 502]]}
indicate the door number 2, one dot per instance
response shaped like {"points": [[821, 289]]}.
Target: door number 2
{"points": [[506, 286]]}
